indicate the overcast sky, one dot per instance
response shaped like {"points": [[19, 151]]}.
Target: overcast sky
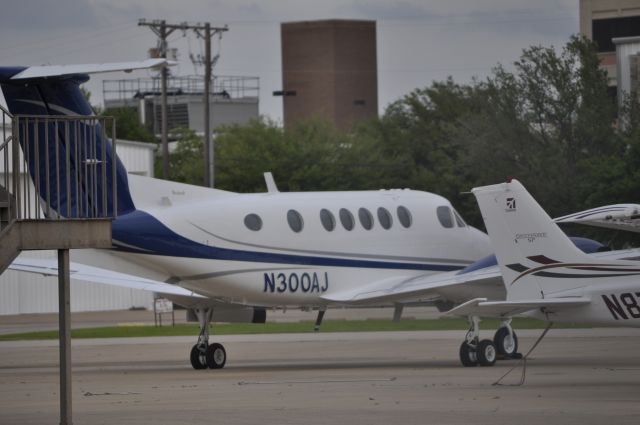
{"points": [[418, 41]]}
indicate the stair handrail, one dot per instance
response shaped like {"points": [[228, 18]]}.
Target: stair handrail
{"points": [[7, 207], [55, 167]]}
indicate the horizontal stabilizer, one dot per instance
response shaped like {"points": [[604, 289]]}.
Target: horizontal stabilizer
{"points": [[49, 267], [500, 309], [45, 71]]}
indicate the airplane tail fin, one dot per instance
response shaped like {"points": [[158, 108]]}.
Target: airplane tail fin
{"points": [[71, 161], [536, 258]]}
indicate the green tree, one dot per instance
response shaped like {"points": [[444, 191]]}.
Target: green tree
{"points": [[544, 123], [128, 125], [186, 162], [548, 123], [310, 156], [417, 132]]}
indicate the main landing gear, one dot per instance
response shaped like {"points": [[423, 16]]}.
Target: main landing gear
{"points": [[474, 351], [204, 355]]}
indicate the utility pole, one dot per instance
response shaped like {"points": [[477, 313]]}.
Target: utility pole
{"points": [[206, 31], [162, 30], [208, 141], [208, 66]]}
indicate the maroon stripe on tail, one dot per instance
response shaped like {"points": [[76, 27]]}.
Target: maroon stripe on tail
{"points": [[542, 259]]}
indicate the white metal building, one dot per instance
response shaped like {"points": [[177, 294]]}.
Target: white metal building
{"points": [[29, 293]]}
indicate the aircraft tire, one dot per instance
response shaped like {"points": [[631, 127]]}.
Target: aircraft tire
{"points": [[505, 344], [468, 356], [486, 353], [216, 356], [197, 360]]}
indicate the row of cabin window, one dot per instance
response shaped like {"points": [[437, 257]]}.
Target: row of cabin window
{"points": [[296, 223]]}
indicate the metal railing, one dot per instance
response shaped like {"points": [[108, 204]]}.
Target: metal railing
{"points": [[223, 86], [56, 167]]}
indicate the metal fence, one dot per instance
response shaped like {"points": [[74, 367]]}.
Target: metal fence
{"points": [[57, 167]]}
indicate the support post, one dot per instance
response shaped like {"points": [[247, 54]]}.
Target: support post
{"points": [[316, 327], [397, 312], [64, 318]]}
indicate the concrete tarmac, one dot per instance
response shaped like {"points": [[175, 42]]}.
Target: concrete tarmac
{"points": [[589, 376]]}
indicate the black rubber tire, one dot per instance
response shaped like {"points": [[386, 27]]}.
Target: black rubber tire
{"points": [[486, 353], [468, 356], [216, 356], [197, 360], [503, 344]]}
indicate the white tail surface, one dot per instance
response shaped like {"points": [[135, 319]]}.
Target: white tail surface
{"points": [[534, 254]]}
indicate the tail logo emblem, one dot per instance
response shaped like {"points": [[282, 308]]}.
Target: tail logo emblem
{"points": [[511, 204]]}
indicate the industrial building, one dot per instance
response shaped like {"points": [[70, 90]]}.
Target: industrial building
{"points": [[329, 71], [233, 100]]}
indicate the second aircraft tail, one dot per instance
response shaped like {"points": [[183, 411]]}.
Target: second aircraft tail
{"points": [[536, 258]]}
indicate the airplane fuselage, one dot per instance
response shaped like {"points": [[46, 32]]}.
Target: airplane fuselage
{"points": [[291, 249], [613, 303]]}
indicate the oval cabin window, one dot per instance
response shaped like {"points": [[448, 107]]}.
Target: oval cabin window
{"points": [[253, 222], [327, 219], [366, 219], [404, 216], [384, 217], [295, 220], [346, 218]]}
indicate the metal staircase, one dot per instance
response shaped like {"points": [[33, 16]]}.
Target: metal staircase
{"points": [[34, 187], [56, 199]]}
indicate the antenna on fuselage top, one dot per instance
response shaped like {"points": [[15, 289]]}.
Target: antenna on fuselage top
{"points": [[271, 184]]}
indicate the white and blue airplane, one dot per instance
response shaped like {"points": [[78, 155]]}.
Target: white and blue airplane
{"points": [[229, 255]]}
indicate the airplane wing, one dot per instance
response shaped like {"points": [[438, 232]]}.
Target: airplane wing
{"points": [[49, 267], [482, 279], [43, 71], [501, 309], [618, 217], [454, 286]]}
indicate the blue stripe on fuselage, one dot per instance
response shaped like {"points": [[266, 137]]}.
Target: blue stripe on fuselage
{"points": [[140, 232]]}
